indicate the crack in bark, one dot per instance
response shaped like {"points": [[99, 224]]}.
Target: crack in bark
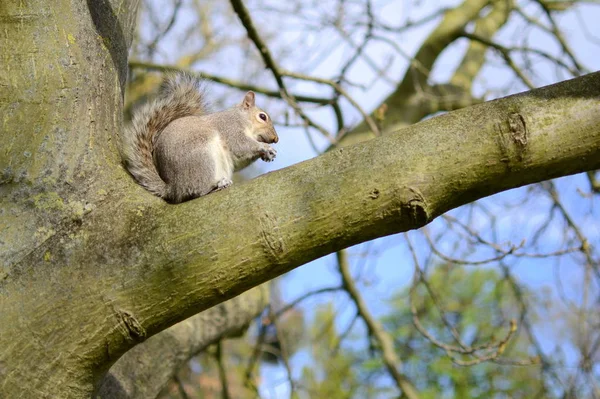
{"points": [[518, 131], [273, 243]]}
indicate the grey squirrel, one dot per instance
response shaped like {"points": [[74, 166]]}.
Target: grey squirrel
{"points": [[178, 151]]}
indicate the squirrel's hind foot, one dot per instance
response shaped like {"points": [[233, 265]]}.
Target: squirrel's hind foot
{"points": [[222, 184]]}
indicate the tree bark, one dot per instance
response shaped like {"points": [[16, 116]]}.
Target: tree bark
{"points": [[92, 264], [62, 75], [64, 65]]}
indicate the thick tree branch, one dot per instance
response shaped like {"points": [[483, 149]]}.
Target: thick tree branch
{"points": [[156, 264]]}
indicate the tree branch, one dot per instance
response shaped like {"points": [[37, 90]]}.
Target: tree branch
{"points": [[244, 15], [150, 264], [228, 82], [156, 361], [406, 101], [384, 339], [474, 59]]}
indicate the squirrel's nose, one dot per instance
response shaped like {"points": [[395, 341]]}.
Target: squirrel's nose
{"points": [[275, 139]]}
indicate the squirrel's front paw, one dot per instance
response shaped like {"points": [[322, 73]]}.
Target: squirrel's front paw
{"points": [[268, 153]]}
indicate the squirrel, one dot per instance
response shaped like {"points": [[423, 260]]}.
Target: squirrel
{"points": [[178, 151]]}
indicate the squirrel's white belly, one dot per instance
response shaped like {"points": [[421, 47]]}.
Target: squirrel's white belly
{"points": [[223, 162]]}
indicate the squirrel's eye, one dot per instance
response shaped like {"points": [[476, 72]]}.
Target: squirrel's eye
{"points": [[263, 116]]}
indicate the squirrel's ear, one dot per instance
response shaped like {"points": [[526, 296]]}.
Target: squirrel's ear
{"points": [[248, 101]]}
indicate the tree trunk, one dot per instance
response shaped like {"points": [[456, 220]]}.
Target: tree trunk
{"points": [[92, 264], [63, 70]]}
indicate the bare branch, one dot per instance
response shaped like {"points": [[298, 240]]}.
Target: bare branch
{"points": [[222, 372], [376, 330], [261, 46], [186, 263]]}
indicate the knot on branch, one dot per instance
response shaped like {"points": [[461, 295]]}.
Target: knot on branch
{"points": [[415, 206], [513, 141], [131, 327]]}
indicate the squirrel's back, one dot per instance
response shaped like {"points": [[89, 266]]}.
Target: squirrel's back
{"points": [[180, 95]]}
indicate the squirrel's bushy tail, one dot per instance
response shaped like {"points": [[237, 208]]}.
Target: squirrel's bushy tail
{"points": [[180, 95]]}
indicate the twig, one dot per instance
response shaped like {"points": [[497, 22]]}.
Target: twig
{"points": [[594, 181], [222, 372], [253, 361], [491, 350], [385, 341], [163, 33], [242, 12], [180, 387], [225, 81], [296, 301], [505, 54], [372, 125], [283, 355]]}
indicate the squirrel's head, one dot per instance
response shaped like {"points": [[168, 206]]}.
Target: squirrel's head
{"points": [[262, 126]]}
